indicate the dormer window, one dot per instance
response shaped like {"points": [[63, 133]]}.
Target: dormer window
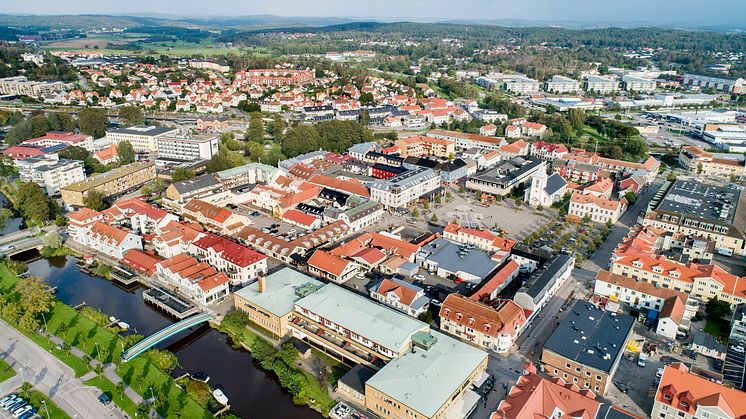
{"points": [[637, 264], [657, 269], [667, 396], [459, 316], [675, 274]]}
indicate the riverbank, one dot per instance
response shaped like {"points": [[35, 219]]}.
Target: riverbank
{"points": [[100, 344]]}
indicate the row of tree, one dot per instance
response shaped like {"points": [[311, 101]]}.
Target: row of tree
{"points": [[90, 121]]}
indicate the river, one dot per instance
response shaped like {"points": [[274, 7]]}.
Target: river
{"points": [[252, 392]]}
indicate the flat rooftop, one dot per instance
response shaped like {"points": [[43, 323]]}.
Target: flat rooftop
{"points": [[591, 336], [376, 322], [457, 257], [424, 379], [146, 130], [702, 200], [98, 180], [284, 288]]}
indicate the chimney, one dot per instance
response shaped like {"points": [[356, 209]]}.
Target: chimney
{"points": [[262, 282]]}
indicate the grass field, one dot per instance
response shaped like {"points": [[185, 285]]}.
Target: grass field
{"points": [[35, 399], [121, 400], [6, 372], [107, 44]]}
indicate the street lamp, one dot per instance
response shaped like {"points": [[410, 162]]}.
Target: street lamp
{"points": [[44, 403]]}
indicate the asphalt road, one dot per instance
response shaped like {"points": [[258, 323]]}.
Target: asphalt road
{"points": [[50, 376]]}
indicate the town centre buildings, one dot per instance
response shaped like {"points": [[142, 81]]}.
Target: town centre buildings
{"points": [[420, 373]]}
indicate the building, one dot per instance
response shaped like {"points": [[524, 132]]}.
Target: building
{"points": [[720, 84], [179, 193], [638, 84], [466, 141], [401, 295], [700, 162], [505, 274], [487, 327], [402, 190], [600, 84], [180, 148], [21, 86], [144, 138], [331, 267], [198, 281], [61, 138], [547, 276], [483, 239], [248, 174], [106, 239], [599, 209], [546, 189], [548, 151], [714, 212], [275, 77], [113, 183], [533, 396], [352, 384], [561, 84], [421, 145], [269, 301], [700, 282], [587, 346], [682, 394], [456, 261], [430, 381], [139, 216], [217, 219], [521, 85], [240, 263], [673, 310], [209, 65], [506, 175], [50, 172]]}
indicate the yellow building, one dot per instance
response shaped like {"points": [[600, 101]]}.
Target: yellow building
{"points": [[114, 182]]}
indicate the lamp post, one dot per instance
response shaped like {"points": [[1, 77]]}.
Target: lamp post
{"points": [[46, 409]]}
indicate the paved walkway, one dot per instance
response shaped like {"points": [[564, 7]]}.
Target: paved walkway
{"points": [[50, 376]]}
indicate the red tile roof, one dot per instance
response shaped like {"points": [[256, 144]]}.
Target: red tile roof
{"points": [[327, 262], [299, 217], [230, 251], [142, 261], [683, 391], [506, 271], [406, 294], [481, 317], [536, 397]]}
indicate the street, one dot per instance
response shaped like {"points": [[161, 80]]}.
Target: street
{"points": [[50, 376]]}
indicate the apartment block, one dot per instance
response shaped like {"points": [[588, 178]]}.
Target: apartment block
{"points": [[144, 138], [110, 184], [178, 148], [50, 172]]}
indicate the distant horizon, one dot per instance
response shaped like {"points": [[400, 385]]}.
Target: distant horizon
{"points": [[718, 13]]}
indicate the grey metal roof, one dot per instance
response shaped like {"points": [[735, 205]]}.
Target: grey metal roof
{"points": [[280, 294], [703, 200], [196, 184], [405, 180], [146, 130], [555, 182], [506, 172], [458, 257], [357, 377], [542, 280], [590, 336]]}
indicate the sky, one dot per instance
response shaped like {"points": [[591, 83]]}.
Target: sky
{"points": [[697, 12]]}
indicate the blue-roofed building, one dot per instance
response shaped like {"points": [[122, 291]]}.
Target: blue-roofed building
{"points": [[454, 260], [587, 346]]}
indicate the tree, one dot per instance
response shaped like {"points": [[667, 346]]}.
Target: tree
{"points": [[59, 121], [52, 240], [302, 139], [249, 107], [32, 203], [276, 128], [126, 152], [631, 197], [716, 309], [365, 118], [255, 133], [33, 295], [92, 122], [132, 115], [94, 200], [181, 173]]}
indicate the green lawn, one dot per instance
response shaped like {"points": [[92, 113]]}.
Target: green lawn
{"points": [[718, 328], [35, 398], [121, 400], [79, 331], [142, 375], [6, 371]]}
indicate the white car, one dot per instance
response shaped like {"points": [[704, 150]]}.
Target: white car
{"points": [[436, 302], [419, 277]]}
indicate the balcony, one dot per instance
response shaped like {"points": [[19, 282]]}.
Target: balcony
{"points": [[329, 340]]}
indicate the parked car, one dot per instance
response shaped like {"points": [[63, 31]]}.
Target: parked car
{"points": [[16, 405], [22, 410], [8, 400], [419, 277], [104, 398], [28, 414], [255, 213], [435, 302]]}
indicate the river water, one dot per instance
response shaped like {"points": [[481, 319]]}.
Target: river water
{"points": [[252, 392]]}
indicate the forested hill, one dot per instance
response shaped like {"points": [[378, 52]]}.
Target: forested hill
{"points": [[633, 38]]}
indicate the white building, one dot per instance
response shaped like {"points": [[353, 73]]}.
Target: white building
{"points": [[50, 172], [21, 86], [142, 137], [180, 148], [109, 240], [521, 84], [600, 84], [718, 83], [638, 84], [562, 84], [240, 263], [545, 190], [401, 295], [401, 190], [195, 280]]}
